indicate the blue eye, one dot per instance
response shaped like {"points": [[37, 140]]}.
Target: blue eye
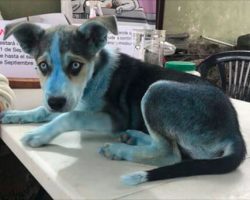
{"points": [[76, 65], [44, 67], [75, 68]]}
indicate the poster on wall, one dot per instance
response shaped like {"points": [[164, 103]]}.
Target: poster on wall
{"points": [[137, 11], [132, 15]]}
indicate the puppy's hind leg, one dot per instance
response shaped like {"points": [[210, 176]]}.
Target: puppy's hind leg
{"points": [[134, 137], [160, 149], [159, 154]]}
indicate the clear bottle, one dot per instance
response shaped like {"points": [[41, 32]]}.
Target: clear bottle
{"points": [[151, 47]]}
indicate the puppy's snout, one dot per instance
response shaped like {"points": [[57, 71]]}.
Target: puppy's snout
{"points": [[56, 103]]}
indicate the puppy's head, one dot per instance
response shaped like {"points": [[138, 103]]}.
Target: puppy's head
{"points": [[65, 56]]}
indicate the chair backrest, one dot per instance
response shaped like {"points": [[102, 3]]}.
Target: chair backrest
{"points": [[234, 72]]}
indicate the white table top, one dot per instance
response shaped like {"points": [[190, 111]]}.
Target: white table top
{"points": [[71, 168]]}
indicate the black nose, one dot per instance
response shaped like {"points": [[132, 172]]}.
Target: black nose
{"points": [[56, 103]]}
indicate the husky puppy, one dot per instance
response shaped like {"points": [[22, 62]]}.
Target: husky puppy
{"points": [[174, 120]]}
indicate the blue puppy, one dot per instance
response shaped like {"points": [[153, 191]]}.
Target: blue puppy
{"points": [[174, 120]]}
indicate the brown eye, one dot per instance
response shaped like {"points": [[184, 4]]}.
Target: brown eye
{"points": [[44, 68], [75, 68]]}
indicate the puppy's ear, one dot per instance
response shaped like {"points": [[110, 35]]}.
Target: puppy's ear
{"points": [[27, 34], [95, 31], [109, 22]]}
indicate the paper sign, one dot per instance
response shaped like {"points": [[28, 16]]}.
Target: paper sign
{"points": [[125, 41]]}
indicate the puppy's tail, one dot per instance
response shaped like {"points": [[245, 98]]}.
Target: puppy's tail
{"points": [[221, 165]]}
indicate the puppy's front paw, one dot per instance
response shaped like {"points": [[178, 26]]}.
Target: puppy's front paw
{"points": [[11, 117], [34, 139], [110, 151]]}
